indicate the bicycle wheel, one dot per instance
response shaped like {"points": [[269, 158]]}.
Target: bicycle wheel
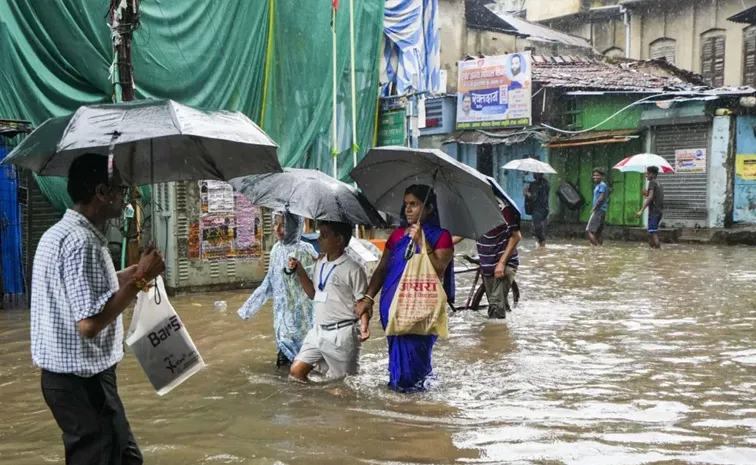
{"points": [[478, 298]]}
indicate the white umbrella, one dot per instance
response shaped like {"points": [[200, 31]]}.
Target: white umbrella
{"points": [[531, 165], [639, 163]]}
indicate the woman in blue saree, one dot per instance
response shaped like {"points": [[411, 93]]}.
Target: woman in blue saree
{"points": [[410, 356]]}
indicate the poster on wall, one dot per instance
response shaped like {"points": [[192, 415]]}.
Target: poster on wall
{"points": [[248, 228], [690, 161], [194, 241], [230, 227], [218, 236], [745, 167], [217, 197], [494, 92]]}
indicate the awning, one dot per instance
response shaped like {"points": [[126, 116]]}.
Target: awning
{"points": [[494, 137], [593, 138]]}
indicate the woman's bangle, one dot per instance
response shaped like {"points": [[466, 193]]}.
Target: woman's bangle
{"points": [[368, 299]]}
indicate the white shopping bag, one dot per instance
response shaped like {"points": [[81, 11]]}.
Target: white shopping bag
{"points": [[160, 342]]}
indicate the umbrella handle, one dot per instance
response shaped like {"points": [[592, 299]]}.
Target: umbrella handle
{"points": [[410, 251]]}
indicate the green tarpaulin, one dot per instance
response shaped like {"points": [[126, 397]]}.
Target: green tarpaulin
{"points": [[213, 55], [298, 100]]}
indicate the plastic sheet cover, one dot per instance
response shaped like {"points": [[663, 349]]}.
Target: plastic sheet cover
{"points": [[204, 54]]}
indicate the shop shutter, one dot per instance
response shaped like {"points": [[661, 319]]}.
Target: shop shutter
{"points": [[713, 60], [684, 193], [749, 57], [37, 216]]}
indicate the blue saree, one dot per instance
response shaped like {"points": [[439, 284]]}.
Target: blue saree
{"points": [[410, 356]]}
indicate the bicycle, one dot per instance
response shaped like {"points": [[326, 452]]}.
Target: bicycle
{"points": [[474, 300]]}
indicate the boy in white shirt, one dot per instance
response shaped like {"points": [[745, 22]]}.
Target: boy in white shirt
{"points": [[333, 344]]}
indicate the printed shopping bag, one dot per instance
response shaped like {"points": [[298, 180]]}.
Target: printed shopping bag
{"points": [[419, 305], [160, 342]]}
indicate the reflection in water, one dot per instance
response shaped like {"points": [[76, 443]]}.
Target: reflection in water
{"points": [[614, 356]]}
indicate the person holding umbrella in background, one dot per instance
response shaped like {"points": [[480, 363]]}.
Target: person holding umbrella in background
{"points": [[654, 201], [536, 193], [537, 205]]}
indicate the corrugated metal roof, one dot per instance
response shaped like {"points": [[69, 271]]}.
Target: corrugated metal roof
{"points": [[570, 72], [539, 33], [593, 137], [481, 14], [494, 137], [747, 16]]}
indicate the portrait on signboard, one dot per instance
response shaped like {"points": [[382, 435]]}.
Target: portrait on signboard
{"points": [[518, 71], [494, 92]]}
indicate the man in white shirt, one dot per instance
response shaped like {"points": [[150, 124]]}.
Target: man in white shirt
{"points": [[76, 330], [333, 344]]}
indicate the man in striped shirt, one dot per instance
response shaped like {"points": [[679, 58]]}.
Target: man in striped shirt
{"points": [[497, 251]]}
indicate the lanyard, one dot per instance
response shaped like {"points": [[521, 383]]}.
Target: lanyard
{"points": [[323, 283]]}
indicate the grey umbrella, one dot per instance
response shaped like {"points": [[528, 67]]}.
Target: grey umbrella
{"points": [[466, 202], [152, 141], [309, 193]]}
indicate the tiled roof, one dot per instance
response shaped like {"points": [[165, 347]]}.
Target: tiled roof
{"points": [[586, 73]]}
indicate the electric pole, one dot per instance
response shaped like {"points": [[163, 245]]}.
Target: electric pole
{"points": [[124, 19]]}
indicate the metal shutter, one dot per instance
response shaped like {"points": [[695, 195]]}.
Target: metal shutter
{"points": [[37, 216], [684, 193]]}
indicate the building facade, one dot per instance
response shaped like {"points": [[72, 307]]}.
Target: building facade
{"points": [[697, 35]]}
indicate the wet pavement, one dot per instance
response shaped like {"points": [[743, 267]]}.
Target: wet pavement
{"points": [[617, 356]]}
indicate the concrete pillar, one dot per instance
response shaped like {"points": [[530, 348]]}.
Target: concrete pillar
{"points": [[718, 171]]}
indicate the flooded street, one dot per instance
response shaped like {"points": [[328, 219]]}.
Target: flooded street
{"points": [[619, 356]]}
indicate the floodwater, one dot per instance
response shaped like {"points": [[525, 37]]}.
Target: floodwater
{"points": [[618, 356]]}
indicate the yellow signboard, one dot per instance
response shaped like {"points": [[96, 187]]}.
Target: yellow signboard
{"points": [[745, 167]]}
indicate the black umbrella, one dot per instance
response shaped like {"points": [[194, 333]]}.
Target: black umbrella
{"points": [[466, 202], [309, 193], [152, 141]]}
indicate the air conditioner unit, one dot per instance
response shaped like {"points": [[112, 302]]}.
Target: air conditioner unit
{"points": [[186, 232]]}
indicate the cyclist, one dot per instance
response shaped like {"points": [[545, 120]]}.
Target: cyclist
{"points": [[497, 251]]}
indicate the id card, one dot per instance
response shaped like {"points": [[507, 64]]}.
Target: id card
{"points": [[320, 296]]}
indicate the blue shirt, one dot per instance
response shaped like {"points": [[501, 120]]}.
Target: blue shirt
{"points": [[72, 280], [601, 188]]}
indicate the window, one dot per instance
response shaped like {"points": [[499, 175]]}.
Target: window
{"points": [[663, 49], [713, 57], [614, 52], [749, 56]]}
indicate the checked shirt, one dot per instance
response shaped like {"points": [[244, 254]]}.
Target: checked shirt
{"points": [[73, 277]]}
